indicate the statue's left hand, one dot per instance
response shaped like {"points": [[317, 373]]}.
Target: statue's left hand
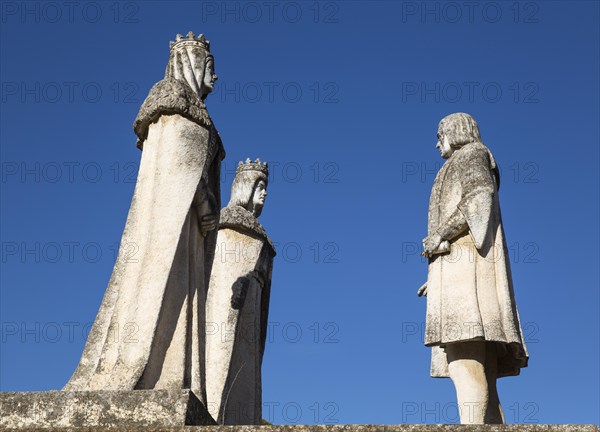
{"points": [[208, 213], [431, 244], [209, 223]]}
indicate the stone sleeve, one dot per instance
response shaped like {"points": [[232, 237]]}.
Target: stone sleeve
{"points": [[478, 191], [455, 225]]}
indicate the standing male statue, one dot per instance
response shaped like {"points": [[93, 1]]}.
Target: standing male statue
{"points": [[150, 330], [472, 320], [237, 305]]}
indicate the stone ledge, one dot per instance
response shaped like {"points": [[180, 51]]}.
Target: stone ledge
{"points": [[64, 410], [337, 428], [178, 411]]}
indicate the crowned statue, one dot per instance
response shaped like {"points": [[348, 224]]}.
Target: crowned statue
{"points": [[472, 322], [150, 330], [237, 304]]}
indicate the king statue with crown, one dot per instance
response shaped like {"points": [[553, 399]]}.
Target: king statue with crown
{"points": [[150, 330]]}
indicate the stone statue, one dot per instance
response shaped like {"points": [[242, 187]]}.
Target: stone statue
{"points": [[472, 320], [150, 330], [237, 304]]}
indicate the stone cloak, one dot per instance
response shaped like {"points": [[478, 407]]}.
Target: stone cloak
{"points": [[237, 314], [149, 331], [470, 294]]}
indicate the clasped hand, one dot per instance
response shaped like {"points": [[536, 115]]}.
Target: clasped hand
{"points": [[208, 214], [431, 245]]}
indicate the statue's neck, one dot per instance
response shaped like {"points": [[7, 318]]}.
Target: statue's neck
{"points": [[252, 209]]}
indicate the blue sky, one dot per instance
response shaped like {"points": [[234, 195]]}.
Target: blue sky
{"points": [[343, 99]]}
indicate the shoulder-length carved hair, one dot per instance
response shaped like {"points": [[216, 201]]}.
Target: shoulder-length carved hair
{"points": [[460, 128], [243, 187]]}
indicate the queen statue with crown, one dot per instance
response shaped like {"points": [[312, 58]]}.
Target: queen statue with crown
{"points": [[238, 302], [149, 332]]}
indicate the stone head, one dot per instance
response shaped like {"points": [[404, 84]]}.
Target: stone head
{"points": [[456, 130], [190, 61], [249, 188]]}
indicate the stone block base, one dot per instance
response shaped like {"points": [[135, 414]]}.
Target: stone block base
{"points": [[336, 428], [63, 410], [339, 428]]}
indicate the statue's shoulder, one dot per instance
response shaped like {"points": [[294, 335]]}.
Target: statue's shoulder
{"points": [[473, 157], [472, 153], [239, 219], [170, 96], [474, 149]]}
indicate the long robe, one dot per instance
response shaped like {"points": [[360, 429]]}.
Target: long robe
{"points": [[470, 293], [237, 309], [149, 331]]}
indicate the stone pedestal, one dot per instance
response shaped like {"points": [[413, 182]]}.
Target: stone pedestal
{"points": [[63, 410], [178, 411], [338, 428]]}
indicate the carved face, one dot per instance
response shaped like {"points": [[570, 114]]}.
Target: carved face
{"points": [[249, 190], [210, 77], [443, 144], [258, 197]]}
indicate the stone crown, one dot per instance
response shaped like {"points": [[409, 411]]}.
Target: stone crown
{"points": [[257, 165], [190, 39]]}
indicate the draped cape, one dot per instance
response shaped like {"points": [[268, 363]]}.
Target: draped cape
{"points": [[149, 331]]}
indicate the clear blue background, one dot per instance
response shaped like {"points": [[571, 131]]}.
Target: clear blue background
{"points": [[353, 161]]}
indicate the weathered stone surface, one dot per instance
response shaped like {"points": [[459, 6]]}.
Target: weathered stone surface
{"points": [[237, 303], [149, 331], [167, 97], [472, 321], [63, 410], [345, 428]]}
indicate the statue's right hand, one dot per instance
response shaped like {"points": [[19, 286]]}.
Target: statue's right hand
{"points": [[423, 290]]}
